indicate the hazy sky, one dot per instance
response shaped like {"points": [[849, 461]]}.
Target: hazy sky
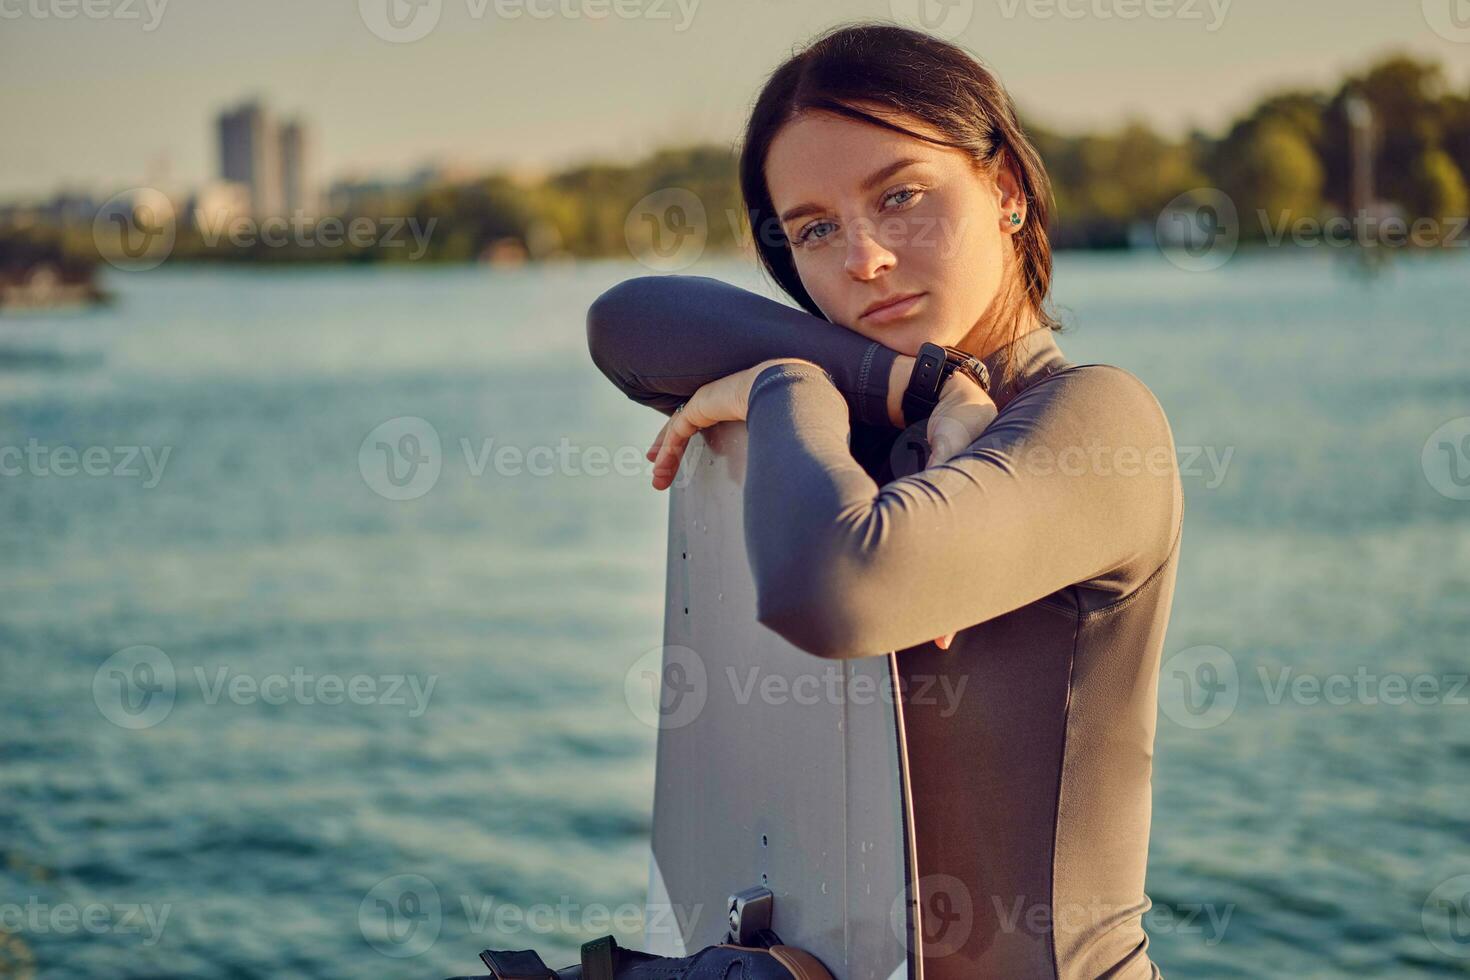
{"points": [[125, 91]]}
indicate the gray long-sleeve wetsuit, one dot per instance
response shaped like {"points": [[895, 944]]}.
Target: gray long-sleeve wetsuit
{"points": [[1050, 545]]}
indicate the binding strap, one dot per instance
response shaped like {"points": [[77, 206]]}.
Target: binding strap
{"points": [[599, 959], [517, 964]]}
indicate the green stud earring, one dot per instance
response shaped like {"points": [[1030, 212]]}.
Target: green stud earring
{"points": [[1015, 218]]}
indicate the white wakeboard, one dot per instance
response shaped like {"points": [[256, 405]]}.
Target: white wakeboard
{"points": [[776, 768]]}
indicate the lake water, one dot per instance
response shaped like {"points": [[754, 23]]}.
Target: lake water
{"points": [[230, 831]]}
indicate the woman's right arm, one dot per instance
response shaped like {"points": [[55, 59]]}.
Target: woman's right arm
{"points": [[660, 338]]}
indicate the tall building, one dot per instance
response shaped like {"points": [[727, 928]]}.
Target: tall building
{"points": [[274, 161], [249, 150], [297, 182]]}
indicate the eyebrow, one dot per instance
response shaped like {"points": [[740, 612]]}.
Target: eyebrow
{"points": [[877, 176]]}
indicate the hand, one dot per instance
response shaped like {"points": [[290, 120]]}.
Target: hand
{"points": [[964, 411], [725, 400]]}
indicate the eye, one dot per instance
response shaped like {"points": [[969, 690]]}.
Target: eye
{"points": [[808, 236], [805, 235], [915, 192]]}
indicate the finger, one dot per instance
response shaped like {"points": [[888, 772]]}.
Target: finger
{"points": [[679, 431], [944, 641], [667, 462], [663, 435], [658, 441]]}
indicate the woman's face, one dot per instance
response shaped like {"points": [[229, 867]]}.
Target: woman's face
{"points": [[867, 226]]}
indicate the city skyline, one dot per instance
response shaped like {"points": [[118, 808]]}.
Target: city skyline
{"points": [[528, 94]]}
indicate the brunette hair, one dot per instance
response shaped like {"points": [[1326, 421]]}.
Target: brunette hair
{"points": [[912, 72]]}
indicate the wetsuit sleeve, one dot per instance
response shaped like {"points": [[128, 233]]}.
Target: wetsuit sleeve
{"points": [[1074, 482], [660, 338]]}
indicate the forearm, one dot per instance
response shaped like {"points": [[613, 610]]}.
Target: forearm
{"points": [[660, 338], [844, 568]]}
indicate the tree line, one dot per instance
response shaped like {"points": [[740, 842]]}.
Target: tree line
{"points": [[1289, 156]]}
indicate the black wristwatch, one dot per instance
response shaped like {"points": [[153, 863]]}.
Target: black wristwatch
{"points": [[932, 368]]}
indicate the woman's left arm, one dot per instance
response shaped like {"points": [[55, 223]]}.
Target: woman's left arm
{"points": [[1075, 482]]}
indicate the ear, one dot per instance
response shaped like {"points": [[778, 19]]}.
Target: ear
{"points": [[1012, 197]]}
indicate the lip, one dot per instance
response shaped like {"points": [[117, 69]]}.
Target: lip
{"points": [[892, 308]]}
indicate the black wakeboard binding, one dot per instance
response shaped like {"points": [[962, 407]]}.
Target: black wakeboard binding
{"points": [[750, 944]]}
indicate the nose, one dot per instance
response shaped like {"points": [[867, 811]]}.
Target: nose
{"points": [[866, 256]]}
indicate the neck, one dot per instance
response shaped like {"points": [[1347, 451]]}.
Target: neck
{"points": [[1008, 318]]}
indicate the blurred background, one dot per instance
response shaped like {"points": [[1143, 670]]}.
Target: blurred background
{"points": [[326, 552]]}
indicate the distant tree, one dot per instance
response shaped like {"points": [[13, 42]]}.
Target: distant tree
{"points": [[1411, 120], [1440, 191], [1271, 171]]}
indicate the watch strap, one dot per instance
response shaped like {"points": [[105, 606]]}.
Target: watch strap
{"points": [[932, 367]]}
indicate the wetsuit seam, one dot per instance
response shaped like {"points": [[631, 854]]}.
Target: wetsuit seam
{"points": [[778, 375], [1062, 608], [680, 377], [1056, 817], [1122, 601]]}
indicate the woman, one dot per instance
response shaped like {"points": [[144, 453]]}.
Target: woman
{"points": [[1030, 564]]}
